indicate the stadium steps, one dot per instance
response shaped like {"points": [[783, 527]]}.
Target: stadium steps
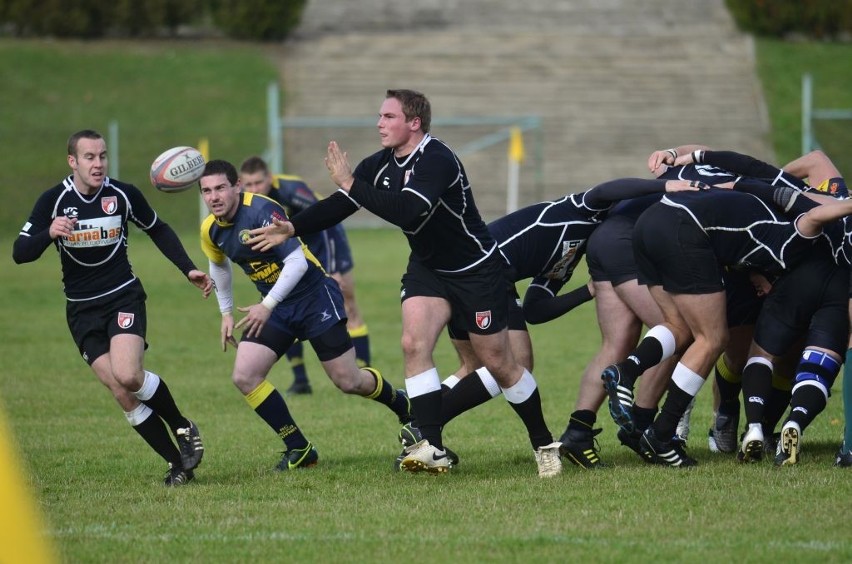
{"points": [[612, 80]]}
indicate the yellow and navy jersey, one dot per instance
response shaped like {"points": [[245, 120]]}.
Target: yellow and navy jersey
{"points": [[330, 246], [227, 239], [94, 257]]}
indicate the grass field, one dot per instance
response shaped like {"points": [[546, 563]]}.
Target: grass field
{"points": [[99, 486]]}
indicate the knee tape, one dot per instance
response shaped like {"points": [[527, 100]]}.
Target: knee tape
{"points": [[818, 369]]}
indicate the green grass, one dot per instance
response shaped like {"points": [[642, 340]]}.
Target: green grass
{"points": [[100, 486], [161, 95], [781, 66]]}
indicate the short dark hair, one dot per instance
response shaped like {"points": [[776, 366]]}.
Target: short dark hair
{"points": [[218, 166], [84, 134], [253, 165], [414, 105]]}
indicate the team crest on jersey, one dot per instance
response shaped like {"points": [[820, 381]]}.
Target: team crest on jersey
{"points": [[483, 319], [109, 204], [125, 320], [245, 236]]}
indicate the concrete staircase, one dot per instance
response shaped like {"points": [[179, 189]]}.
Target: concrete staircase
{"points": [[612, 80]]}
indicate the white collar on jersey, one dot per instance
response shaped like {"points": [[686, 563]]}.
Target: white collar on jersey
{"points": [[417, 149]]}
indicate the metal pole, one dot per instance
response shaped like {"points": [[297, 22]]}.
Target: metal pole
{"points": [[273, 121], [807, 101], [112, 150]]}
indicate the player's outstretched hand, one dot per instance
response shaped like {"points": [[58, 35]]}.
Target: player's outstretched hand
{"points": [[264, 238], [201, 281], [337, 163], [685, 185]]}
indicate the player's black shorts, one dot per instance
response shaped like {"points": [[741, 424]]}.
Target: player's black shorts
{"points": [[94, 322], [743, 303], [609, 252], [672, 251], [516, 320], [478, 297], [810, 300]]}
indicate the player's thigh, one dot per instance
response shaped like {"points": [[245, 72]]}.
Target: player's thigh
{"points": [[619, 326], [423, 319], [252, 364], [125, 352], [637, 297], [704, 314]]}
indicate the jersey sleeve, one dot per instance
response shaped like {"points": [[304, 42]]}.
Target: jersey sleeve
{"points": [[140, 211], [431, 176], [213, 253], [34, 236]]}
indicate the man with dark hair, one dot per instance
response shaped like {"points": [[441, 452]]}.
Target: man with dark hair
{"points": [[330, 247], [85, 217], [299, 301]]}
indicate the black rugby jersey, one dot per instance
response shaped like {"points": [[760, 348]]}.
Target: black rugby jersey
{"points": [[221, 240], [448, 235], [94, 258], [744, 229], [545, 241]]}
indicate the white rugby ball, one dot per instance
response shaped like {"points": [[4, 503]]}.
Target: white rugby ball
{"points": [[177, 169]]}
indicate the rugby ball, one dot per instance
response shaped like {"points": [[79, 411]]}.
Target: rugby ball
{"points": [[177, 169]]}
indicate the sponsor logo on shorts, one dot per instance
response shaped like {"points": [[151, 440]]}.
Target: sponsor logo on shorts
{"points": [[483, 319], [755, 399], [125, 320], [325, 316], [109, 204]]}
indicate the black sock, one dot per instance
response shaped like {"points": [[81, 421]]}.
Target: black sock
{"points": [[643, 416], [295, 354], [674, 407], [386, 394], [273, 410], [582, 420], [163, 404], [729, 391], [155, 433], [649, 353], [530, 413], [775, 408], [807, 402], [465, 395], [757, 386], [427, 411]]}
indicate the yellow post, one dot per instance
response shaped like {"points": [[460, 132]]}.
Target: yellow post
{"points": [[22, 535], [516, 157]]}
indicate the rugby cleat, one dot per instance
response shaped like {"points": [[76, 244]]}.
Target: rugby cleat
{"points": [[298, 458], [409, 434], [752, 446], [620, 397], [177, 476], [547, 460], [789, 445], [581, 448], [423, 457], [190, 446], [682, 429], [299, 389], [724, 431], [843, 459], [669, 453]]}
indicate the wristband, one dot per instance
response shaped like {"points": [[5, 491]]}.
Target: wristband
{"points": [[697, 156], [269, 302], [672, 152]]}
